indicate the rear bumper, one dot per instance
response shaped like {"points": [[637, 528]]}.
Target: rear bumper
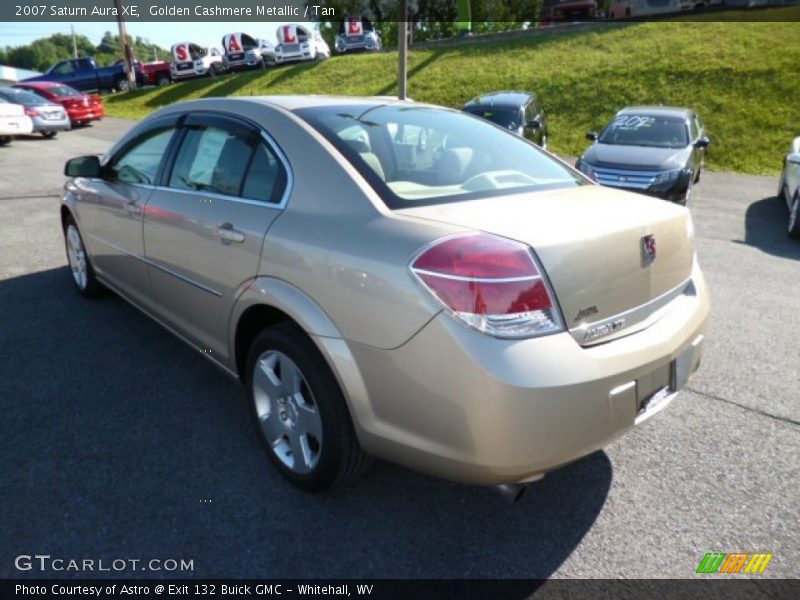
{"points": [[84, 114], [15, 126], [42, 124], [467, 407], [672, 191]]}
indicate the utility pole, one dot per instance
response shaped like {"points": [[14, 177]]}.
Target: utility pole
{"points": [[74, 45], [127, 53], [402, 45]]}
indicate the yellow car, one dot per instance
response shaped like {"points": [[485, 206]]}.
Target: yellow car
{"points": [[394, 279]]}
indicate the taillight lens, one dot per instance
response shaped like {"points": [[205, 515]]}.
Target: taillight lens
{"points": [[491, 284], [31, 112]]}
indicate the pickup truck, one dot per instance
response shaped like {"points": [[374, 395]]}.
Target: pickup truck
{"points": [[84, 75]]}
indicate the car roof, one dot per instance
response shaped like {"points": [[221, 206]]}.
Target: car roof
{"points": [[658, 111], [506, 98], [293, 103]]}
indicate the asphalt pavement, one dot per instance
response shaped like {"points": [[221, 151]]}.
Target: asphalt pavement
{"points": [[120, 442]]}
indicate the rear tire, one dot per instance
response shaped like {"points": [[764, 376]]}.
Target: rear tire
{"points": [[79, 262], [5, 140], [300, 410], [122, 84], [688, 195], [163, 80], [49, 134], [794, 217]]}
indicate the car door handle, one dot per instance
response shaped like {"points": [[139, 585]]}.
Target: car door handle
{"points": [[132, 208], [229, 234]]}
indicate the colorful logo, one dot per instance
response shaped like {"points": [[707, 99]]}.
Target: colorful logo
{"points": [[737, 562]]}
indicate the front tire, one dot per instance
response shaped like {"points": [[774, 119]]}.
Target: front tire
{"points": [[301, 411], [794, 217], [79, 263]]}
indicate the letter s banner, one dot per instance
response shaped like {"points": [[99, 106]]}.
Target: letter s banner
{"points": [[180, 52]]}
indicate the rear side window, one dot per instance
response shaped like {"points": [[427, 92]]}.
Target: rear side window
{"points": [[213, 160], [139, 162], [233, 162], [266, 177]]}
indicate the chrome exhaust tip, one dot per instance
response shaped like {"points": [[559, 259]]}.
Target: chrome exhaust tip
{"points": [[511, 491]]}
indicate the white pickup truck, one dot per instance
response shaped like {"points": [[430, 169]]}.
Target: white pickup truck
{"points": [[13, 121]]}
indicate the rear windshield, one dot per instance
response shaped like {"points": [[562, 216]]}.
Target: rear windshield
{"points": [[62, 91], [646, 130], [415, 155], [23, 97]]}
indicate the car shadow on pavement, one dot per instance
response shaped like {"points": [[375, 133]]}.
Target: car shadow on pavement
{"points": [[765, 224], [122, 442]]}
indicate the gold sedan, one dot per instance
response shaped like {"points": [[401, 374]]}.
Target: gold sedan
{"points": [[394, 279]]}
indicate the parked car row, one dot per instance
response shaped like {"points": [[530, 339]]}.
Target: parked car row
{"points": [[46, 108], [655, 150]]}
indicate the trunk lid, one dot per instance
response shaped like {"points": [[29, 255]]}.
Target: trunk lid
{"points": [[590, 241]]}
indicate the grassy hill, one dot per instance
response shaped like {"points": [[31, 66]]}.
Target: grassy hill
{"points": [[742, 78]]}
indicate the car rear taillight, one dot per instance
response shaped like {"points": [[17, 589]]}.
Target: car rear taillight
{"points": [[491, 284], [31, 112]]}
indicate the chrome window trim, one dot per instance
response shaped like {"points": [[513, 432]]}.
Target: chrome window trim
{"points": [[636, 318]]}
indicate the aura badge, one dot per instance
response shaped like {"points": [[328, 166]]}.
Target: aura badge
{"points": [[648, 249]]}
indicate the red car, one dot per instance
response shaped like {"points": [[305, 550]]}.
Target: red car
{"points": [[559, 11], [80, 107]]}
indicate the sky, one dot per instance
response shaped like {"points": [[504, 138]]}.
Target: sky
{"points": [[163, 34]]}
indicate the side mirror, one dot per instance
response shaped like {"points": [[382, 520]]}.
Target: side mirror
{"points": [[703, 142], [592, 136], [533, 124], [83, 166]]}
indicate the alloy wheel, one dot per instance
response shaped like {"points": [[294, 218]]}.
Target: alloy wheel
{"points": [[287, 412], [76, 255]]}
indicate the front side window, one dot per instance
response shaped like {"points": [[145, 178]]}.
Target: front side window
{"points": [[139, 162], [646, 130], [64, 68], [414, 155]]}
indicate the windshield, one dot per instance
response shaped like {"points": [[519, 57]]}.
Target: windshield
{"points": [[646, 130], [415, 155], [510, 118]]}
